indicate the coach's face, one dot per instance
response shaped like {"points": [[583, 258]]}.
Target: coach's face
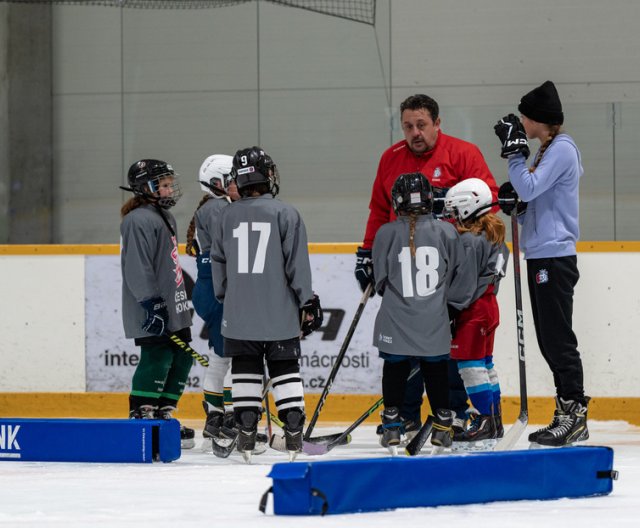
{"points": [[420, 130]]}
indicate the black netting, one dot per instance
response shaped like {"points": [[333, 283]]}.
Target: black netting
{"points": [[356, 10]]}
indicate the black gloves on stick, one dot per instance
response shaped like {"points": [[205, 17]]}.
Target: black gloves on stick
{"points": [[364, 269], [311, 308], [508, 199]]}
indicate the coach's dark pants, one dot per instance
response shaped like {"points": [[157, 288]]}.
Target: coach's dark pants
{"points": [[551, 282]]}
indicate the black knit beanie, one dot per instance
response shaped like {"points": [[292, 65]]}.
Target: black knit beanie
{"points": [[542, 104]]}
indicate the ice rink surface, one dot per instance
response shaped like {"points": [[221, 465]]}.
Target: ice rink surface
{"points": [[201, 490]]}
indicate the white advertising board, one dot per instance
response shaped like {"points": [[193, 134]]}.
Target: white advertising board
{"points": [[111, 359]]}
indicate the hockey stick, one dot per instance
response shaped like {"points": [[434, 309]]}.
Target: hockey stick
{"points": [[344, 437], [336, 365], [199, 358], [516, 430], [418, 441]]}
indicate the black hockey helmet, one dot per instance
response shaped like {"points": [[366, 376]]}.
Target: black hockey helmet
{"points": [[144, 179], [412, 193], [252, 166]]}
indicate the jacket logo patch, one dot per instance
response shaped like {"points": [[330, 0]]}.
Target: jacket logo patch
{"points": [[437, 173]]}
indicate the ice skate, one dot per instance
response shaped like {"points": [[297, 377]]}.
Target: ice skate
{"points": [[480, 435], [391, 429], [213, 422], [143, 412], [458, 428], [533, 437], [571, 428], [247, 432], [187, 435], [442, 434], [293, 425]]}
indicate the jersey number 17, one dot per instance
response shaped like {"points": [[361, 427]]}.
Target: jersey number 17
{"points": [[242, 234]]}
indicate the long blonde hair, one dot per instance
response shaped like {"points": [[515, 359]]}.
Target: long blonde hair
{"points": [[489, 224]]}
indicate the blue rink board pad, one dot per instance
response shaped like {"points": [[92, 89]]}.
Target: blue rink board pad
{"points": [[363, 485], [79, 440]]}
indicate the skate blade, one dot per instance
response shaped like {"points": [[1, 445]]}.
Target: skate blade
{"points": [[437, 450], [247, 456], [187, 443], [393, 450], [480, 445], [292, 455]]}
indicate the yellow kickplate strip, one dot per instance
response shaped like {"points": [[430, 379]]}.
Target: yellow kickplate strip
{"points": [[314, 247], [339, 408]]}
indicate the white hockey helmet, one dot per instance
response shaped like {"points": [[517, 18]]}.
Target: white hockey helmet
{"points": [[214, 173], [469, 198]]}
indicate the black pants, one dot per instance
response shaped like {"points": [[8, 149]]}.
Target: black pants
{"points": [[551, 282], [410, 409]]}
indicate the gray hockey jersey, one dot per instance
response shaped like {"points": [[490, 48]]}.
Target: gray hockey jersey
{"points": [[413, 318], [206, 219], [487, 262], [150, 268], [261, 270]]}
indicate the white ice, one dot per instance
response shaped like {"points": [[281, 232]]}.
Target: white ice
{"points": [[201, 490]]}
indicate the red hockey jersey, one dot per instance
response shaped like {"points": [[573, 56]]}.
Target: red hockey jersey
{"points": [[449, 162]]}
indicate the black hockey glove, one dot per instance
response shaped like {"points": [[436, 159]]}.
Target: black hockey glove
{"points": [[157, 316], [364, 269], [453, 319], [512, 136], [311, 308], [439, 194], [508, 199]]}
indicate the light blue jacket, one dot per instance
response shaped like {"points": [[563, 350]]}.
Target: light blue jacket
{"points": [[550, 227]]}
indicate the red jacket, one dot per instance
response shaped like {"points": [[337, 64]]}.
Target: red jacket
{"points": [[449, 162]]}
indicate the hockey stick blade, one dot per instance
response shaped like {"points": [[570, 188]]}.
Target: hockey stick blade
{"points": [[313, 446], [417, 442], [511, 437], [223, 451]]}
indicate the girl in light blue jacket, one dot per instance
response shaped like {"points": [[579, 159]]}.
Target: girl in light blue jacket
{"points": [[550, 229]]}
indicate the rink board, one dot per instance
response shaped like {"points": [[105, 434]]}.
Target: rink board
{"points": [[345, 486], [80, 440]]}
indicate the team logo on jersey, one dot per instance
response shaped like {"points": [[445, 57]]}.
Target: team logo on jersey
{"points": [[542, 276], [174, 256], [385, 339], [437, 173]]}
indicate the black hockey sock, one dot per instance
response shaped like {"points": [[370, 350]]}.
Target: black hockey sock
{"points": [[394, 382], [436, 382]]}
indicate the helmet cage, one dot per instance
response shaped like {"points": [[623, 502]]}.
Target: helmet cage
{"points": [[146, 178]]}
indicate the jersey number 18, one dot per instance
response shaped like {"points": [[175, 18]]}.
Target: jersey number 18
{"points": [[426, 279]]}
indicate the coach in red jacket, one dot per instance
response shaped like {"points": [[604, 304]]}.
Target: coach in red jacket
{"points": [[445, 161]]}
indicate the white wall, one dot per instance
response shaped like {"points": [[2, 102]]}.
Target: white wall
{"points": [[44, 308], [42, 323]]}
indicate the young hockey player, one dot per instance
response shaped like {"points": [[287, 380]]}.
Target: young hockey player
{"points": [[261, 272], [215, 181], [550, 230], [154, 300], [482, 234], [419, 263]]}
